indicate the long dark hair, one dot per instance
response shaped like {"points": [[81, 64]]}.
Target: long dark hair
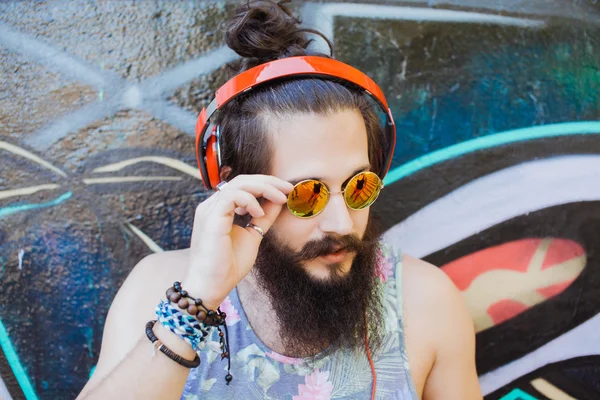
{"points": [[263, 31]]}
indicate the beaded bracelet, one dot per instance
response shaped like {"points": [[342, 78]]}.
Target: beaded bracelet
{"points": [[168, 352], [196, 308]]}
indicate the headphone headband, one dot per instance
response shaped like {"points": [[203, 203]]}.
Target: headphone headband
{"points": [[302, 66]]}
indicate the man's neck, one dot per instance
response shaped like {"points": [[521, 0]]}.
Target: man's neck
{"points": [[260, 313]]}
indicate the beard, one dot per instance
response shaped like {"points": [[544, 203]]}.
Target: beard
{"points": [[317, 314]]}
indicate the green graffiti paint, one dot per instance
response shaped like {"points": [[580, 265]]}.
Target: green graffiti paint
{"points": [[518, 394], [2, 266], [486, 142], [5, 211], [15, 364]]}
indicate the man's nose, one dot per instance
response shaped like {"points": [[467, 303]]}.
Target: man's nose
{"points": [[336, 216]]}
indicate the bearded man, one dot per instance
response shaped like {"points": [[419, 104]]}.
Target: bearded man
{"points": [[286, 277]]}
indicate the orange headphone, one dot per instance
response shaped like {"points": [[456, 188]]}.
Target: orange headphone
{"points": [[207, 134]]}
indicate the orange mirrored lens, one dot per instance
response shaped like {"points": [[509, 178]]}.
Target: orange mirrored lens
{"points": [[362, 190], [308, 198]]}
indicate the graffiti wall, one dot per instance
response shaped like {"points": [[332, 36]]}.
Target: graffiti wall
{"points": [[496, 175]]}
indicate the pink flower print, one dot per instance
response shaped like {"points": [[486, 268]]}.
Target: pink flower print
{"points": [[232, 315], [284, 359], [317, 387], [385, 268]]}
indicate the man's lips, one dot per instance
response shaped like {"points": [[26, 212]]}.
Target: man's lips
{"points": [[337, 257]]}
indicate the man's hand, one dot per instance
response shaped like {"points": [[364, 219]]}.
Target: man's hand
{"points": [[222, 253]]}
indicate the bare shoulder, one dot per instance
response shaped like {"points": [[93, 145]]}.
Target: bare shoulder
{"points": [[439, 330], [426, 286], [134, 304], [431, 300]]}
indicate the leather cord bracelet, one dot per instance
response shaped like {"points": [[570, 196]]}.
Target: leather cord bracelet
{"points": [[168, 352]]}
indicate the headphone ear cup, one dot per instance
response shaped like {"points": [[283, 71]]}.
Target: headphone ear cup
{"points": [[212, 160]]}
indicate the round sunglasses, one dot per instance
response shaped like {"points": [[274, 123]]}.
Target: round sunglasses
{"points": [[309, 197]]}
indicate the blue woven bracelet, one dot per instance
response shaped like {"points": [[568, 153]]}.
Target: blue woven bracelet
{"points": [[184, 326], [193, 326]]}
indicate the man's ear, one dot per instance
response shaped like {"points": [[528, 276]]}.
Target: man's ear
{"points": [[225, 172]]}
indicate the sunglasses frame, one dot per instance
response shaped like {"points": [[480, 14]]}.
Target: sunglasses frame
{"points": [[343, 192]]}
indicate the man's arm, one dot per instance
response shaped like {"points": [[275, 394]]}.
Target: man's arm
{"points": [[220, 255], [127, 367], [445, 323]]}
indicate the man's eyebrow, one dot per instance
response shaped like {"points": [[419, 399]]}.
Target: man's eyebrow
{"points": [[361, 169]]}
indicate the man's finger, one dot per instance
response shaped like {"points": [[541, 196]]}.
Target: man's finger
{"points": [[248, 239]]}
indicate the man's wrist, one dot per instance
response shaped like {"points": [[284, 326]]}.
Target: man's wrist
{"points": [[173, 342], [210, 302]]}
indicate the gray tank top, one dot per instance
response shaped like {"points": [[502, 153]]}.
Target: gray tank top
{"points": [[260, 373]]}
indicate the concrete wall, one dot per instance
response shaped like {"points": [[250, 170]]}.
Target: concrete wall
{"points": [[495, 175]]}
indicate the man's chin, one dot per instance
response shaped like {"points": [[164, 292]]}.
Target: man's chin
{"points": [[321, 271], [320, 275]]}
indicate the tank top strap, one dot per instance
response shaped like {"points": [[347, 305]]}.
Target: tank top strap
{"points": [[398, 278]]}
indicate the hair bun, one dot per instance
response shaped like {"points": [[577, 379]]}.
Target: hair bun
{"points": [[264, 31]]}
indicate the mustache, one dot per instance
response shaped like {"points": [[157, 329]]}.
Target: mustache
{"points": [[328, 245]]}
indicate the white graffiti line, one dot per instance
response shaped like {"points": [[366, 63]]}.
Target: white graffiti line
{"points": [[11, 148], [56, 59], [3, 391], [549, 390], [583, 340], [21, 255], [495, 198], [72, 122], [146, 96], [129, 179], [169, 162], [176, 116], [5, 194], [321, 16], [180, 75], [145, 238]]}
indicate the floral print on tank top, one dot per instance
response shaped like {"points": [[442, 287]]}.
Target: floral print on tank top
{"points": [[260, 373]]}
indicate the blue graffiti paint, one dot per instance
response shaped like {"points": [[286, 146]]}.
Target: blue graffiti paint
{"points": [[489, 89], [486, 142], [81, 264], [5, 211], [15, 364]]}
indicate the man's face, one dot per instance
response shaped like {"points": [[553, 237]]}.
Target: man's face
{"points": [[332, 149], [321, 299]]}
